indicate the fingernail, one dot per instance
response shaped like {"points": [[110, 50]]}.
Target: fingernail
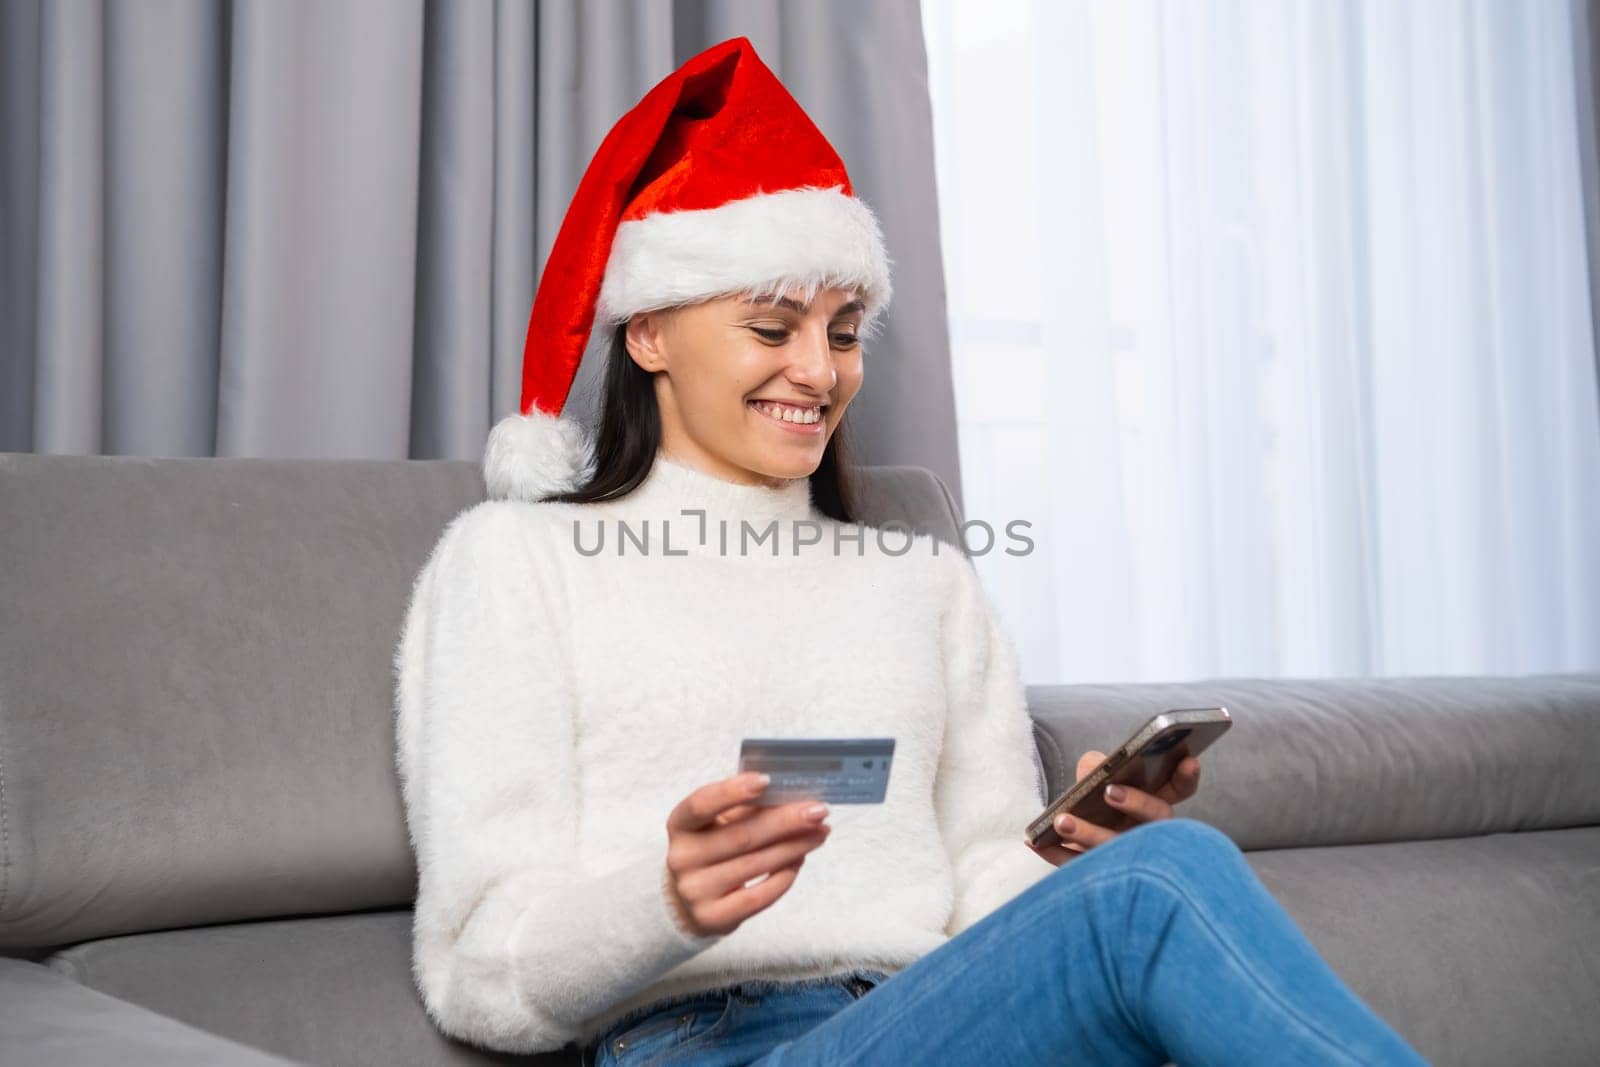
{"points": [[1065, 824], [1115, 793], [816, 811], [761, 781]]}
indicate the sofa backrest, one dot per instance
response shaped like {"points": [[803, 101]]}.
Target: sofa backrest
{"points": [[196, 698], [1350, 761]]}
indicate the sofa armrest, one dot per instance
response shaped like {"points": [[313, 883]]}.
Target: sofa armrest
{"points": [[1335, 761], [46, 1017]]}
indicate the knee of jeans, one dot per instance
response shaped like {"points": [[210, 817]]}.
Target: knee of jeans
{"points": [[1178, 839]]}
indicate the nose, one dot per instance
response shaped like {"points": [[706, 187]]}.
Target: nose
{"points": [[812, 362]]}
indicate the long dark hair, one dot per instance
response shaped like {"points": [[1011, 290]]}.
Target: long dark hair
{"points": [[630, 433]]}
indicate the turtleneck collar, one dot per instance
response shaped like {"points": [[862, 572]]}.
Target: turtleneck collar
{"points": [[673, 487]]}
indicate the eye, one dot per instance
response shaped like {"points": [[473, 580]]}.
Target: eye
{"points": [[840, 340]]}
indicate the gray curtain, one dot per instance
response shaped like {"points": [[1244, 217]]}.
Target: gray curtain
{"points": [[1586, 61], [299, 229]]}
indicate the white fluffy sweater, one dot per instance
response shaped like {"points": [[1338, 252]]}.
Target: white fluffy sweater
{"points": [[552, 708]]}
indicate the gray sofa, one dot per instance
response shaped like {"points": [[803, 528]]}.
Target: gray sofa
{"points": [[203, 858]]}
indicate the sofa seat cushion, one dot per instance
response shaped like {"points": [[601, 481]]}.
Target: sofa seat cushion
{"points": [[333, 990], [48, 1019], [1453, 941], [1479, 950]]}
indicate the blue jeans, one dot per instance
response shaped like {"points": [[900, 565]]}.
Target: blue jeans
{"points": [[1158, 945]]}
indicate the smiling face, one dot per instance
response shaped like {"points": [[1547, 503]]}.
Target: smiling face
{"points": [[751, 390]]}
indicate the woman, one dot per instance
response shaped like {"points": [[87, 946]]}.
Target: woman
{"points": [[584, 652]]}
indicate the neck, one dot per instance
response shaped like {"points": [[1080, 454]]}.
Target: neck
{"points": [[674, 486]]}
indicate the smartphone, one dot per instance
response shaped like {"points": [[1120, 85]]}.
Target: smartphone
{"points": [[1144, 761]]}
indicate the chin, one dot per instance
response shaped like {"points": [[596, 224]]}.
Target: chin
{"points": [[793, 465], [796, 457], [791, 470]]}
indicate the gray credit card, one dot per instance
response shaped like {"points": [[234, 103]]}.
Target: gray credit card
{"points": [[846, 770]]}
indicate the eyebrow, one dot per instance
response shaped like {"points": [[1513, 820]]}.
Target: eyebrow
{"points": [[795, 305]]}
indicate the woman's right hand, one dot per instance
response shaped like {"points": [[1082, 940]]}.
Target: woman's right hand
{"points": [[717, 840]]}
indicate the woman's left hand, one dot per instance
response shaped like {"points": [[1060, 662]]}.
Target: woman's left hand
{"points": [[1136, 807]]}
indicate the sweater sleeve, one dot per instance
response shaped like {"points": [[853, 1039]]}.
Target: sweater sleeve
{"points": [[513, 945], [988, 786]]}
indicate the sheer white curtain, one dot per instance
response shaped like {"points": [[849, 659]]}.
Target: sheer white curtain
{"points": [[1273, 319]]}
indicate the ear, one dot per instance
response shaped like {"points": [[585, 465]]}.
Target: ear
{"points": [[644, 340]]}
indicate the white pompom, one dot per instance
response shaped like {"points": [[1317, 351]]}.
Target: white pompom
{"points": [[530, 456]]}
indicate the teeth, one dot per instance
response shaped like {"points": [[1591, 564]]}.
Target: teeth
{"points": [[789, 414]]}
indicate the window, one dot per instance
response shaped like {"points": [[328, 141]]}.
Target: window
{"points": [[1274, 319]]}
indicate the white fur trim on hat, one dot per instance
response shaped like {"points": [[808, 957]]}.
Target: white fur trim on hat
{"points": [[795, 236], [530, 456]]}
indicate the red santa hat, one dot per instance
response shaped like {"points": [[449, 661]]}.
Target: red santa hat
{"points": [[716, 182]]}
